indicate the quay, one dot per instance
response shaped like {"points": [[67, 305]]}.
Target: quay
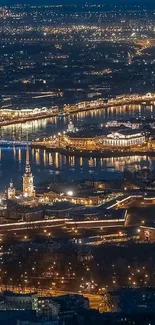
{"points": [[12, 116], [105, 143]]}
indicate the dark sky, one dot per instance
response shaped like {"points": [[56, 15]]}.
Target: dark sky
{"points": [[40, 2], [73, 1]]}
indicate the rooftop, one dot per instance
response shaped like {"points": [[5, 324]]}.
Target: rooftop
{"points": [[148, 225], [90, 132], [98, 213], [13, 294]]}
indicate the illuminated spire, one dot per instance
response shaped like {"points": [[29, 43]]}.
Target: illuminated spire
{"points": [[27, 152], [28, 187], [27, 168]]}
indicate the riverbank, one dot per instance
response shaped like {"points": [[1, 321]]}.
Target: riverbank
{"points": [[73, 110], [27, 119], [95, 153]]}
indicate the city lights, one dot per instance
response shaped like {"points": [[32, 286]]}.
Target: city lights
{"points": [[77, 151]]}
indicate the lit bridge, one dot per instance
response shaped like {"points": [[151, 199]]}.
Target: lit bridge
{"points": [[12, 143]]}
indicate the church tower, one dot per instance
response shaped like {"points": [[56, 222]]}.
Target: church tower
{"points": [[11, 191], [28, 187]]}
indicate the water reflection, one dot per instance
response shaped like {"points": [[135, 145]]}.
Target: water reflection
{"points": [[43, 158], [51, 126], [45, 164]]}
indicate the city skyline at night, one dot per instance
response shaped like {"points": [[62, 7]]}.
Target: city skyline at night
{"points": [[77, 162]]}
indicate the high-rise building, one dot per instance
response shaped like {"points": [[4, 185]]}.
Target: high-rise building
{"points": [[28, 186], [11, 191]]}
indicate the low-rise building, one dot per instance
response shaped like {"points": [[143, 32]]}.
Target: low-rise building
{"points": [[124, 138], [72, 302], [96, 218], [88, 141], [24, 212], [147, 232], [130, 300], [16, 301]]}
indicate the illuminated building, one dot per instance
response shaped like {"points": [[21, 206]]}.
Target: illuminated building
{"points": [[124, 138], [11, 191], [80, 142], [89, 199], [14, 113], [17, 301], [71, 127], [147, 232], [126, 124], [28, 186], [3, 206]]}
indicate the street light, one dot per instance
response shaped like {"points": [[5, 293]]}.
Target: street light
{"points": [[70, 193]]}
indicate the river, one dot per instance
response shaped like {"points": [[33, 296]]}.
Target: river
{"points": [[49, 166]]}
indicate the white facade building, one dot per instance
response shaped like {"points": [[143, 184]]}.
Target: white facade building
{"points": [[124, 139]]}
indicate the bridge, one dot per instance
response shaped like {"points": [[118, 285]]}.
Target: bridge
{"points": [[12, 143]]}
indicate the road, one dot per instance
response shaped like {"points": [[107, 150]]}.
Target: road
{"points": [[96, 301]]}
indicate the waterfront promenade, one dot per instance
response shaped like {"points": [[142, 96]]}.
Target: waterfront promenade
{"points": [[123, 100]]}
